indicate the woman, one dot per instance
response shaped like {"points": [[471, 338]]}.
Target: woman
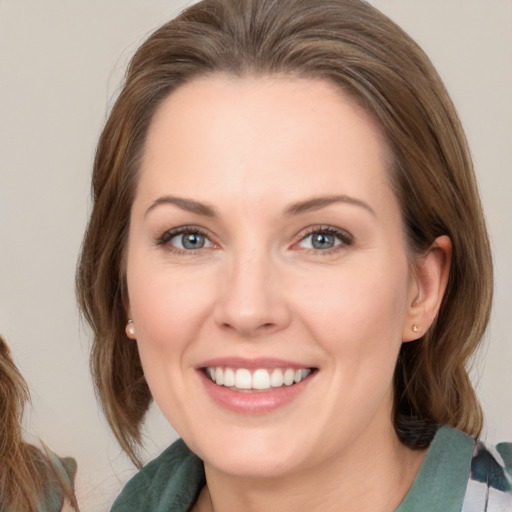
{"points": [[30, 480], [287, 223]]}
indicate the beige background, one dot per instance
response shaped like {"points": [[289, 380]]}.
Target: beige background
{"points": [[61, 63]]}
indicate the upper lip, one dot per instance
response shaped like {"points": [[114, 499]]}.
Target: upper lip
{"points": [[253, 363]]}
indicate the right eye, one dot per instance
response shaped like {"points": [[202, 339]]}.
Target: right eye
{"points": [[185, 240]]}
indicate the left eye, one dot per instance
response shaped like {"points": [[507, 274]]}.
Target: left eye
{"points": [[322, 240], [189, 241]]}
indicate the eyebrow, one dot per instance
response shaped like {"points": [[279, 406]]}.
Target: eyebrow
{"points": [[189, 205], [309, 205], [316, 203]]}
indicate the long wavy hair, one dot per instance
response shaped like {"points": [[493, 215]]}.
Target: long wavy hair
{"points": [[30, 479], [354, 46]]}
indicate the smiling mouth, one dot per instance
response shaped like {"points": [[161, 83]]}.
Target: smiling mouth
{"points": [[260, 379]]}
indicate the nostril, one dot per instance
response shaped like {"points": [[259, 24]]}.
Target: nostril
{"points": [[250, 330]]}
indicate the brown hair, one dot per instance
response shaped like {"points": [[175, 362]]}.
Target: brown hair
{"points": [[354, 46], [30, 479]]}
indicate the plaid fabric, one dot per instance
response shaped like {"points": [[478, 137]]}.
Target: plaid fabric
{"points": [[490, 480]]}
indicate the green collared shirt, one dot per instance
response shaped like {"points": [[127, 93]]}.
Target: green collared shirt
{"points": [[173, 481]]}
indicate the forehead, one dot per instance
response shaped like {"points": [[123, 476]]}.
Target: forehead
{"points": [[253, 135]]}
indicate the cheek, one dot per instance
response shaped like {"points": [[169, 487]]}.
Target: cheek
{"points": [[360, 310], [167, 305], [169, 310]]}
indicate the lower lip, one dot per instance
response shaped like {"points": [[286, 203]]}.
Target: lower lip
{"points": [[254, 402]]}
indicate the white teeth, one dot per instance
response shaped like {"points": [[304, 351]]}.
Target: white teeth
{"points": [[276, 378], [301, 375], [229, 377], [261, 378], [219, 376], [243, 379], [289, 376]]}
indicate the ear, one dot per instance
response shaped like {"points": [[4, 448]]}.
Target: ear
{"points": [[429, 281]]}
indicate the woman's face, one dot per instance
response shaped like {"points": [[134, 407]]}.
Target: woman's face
{"points": [[266, 245]]}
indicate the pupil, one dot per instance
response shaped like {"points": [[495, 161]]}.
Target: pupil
{"points": [[193, 241], [323, 241]]}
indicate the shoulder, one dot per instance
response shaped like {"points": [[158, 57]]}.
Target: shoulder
{"points": [[172, 481], [465, 475], [505, 451], [59, 480], [490, 479]]}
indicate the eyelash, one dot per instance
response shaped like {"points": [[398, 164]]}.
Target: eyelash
{"points": [[345, 239], [167, 236]]}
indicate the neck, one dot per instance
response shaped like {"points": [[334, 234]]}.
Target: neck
{"points": [[366, 477]]}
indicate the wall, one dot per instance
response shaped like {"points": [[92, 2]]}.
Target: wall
{"points": [[61, 64]]}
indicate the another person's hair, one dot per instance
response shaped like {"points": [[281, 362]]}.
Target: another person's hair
{"points": [[373, 61], [30, 479]]}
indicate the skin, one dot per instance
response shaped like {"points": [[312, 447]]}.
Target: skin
{"points": [[251, 148]]}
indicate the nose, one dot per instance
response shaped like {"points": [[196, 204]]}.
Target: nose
{"points": [[251, 297]]}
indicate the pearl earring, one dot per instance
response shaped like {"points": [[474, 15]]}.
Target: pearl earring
{"points": [[130, 329], [415, 328]]}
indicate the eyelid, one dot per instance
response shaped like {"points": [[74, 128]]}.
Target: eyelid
{"points": [[164, 239], [346, 238]]}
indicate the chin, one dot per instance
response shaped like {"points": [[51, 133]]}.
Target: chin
{"points": [[251, 455], [258, 466]]}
